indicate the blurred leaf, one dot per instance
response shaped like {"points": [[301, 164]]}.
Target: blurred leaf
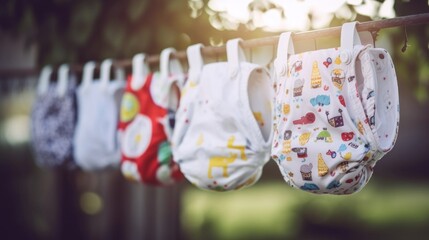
{"points": [[138, 42], [27, 22], [166, 37], [61, 2], [114, 33], [421, 93], [7, 9], [57, 53], [82, 21], [136, 9], [423, 71]]}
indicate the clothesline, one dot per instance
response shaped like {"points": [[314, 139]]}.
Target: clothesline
{"points": [[211, 51]]}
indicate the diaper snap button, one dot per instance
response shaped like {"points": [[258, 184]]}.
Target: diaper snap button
{"points": [[346, 56], [281, 67]]}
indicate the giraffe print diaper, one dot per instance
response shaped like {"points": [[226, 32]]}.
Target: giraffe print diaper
{"points": [[223, 125], [336, 114]]}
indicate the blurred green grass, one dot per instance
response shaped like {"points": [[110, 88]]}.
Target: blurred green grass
{"points": [[272, 210]]}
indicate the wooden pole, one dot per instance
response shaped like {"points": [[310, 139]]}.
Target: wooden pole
{"points": [[211, 51]]}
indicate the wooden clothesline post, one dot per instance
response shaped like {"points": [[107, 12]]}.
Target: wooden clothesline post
{"points": [[211, 51]]}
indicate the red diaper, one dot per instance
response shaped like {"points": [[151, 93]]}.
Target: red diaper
{"points": [[145, 126]]}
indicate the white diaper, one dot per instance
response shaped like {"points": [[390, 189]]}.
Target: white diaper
{"points": [[96, 139], [222, 136], [336, 114]]}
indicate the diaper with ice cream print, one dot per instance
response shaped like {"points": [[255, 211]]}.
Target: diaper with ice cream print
{"points": [[336, 113]]}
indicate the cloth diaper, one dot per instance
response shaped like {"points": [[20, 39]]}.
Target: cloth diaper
{"points": [[96, 143], [147, 121], [53, 119], [336, 114], [223, 125]]}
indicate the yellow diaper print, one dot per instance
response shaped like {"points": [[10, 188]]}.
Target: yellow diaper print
{"points": [[191, 85], [321, 166], [221, 162], [303, 139], [200, 140], [259, 118], [129, 107], [287, 146], [316, 79], [241, 148], [224, 161], [286, 108]]}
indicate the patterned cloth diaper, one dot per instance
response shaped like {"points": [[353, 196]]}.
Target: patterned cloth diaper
{"points": [[147, 121], [223, 128], [53, 119], [96, 143], [336, 114]]}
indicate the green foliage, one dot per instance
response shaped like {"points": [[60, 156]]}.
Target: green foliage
{"points": [[277, 211]]}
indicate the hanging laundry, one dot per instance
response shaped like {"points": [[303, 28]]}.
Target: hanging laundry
{"points": [[147, 121], [96, 143], [53, 119], [223, 131], [343, 116]]}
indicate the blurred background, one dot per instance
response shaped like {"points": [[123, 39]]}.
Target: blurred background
{"points": [[37, 203]]}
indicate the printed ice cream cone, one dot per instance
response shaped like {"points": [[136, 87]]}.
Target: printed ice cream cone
{"points": [[316, 79], [306, 172], [321, 166]]}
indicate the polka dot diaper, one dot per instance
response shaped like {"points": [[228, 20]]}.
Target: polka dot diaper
{"points": [[146, 125]]}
